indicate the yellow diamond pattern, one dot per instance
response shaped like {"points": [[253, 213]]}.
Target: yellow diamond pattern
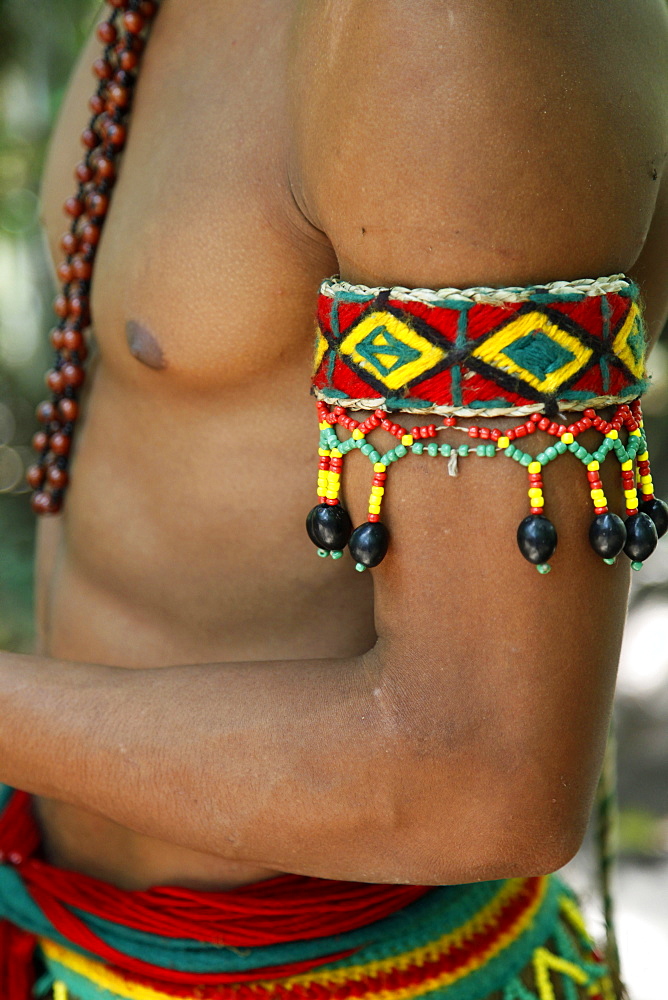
{"points": [[491, 351], [631, 331], [321, 346], [380, 329]]}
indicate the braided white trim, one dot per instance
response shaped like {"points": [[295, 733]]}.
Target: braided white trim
{"points": [[464, 411], [482, 295]]}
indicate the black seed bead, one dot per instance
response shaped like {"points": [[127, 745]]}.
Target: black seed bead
{"points": [[368, 543], [329, 526], [537, 538], [641, 537], [607, 535], [658, 511]]}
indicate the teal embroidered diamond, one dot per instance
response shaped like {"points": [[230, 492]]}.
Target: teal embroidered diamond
{"points": [[538, 354], [636, 341], [380, 346]]}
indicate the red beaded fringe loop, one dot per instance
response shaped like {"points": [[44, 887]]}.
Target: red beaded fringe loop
{"points": [[123, 35]]}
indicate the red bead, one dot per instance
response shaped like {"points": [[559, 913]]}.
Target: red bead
{"points": [[116, 134], [553, 429], [60, 306], [530, 427], [102, 69], [64, 272], [69, 242], [81, 269], [543, 423], [472, 432], [536, 510], [55, 381], [45, 412], [105, 169], [118, 96], [535, 418], [511, 434], [373, 518], [96, 104], [73, 374], [106, 33], [79, 307], [600, 510], [128, 59], [74, 207], [97, 204], [520, 432], [431, 430], [60, 443], [41, 502], [40, 440], [561, 429], [68, 410], [133, 22], [56, 338], [484, 433], [496, 434], [90, 233], [148, 9], [450, 421], [58, 478], [90, 139], [35, 476]]}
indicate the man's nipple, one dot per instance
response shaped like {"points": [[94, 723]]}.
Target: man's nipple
{"points": [[143, 345]]}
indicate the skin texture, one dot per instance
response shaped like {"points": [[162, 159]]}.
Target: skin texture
{"points": [[442, 719]]}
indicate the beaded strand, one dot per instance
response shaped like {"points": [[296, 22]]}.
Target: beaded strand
{"points": [[330, 528], [123, 36]]}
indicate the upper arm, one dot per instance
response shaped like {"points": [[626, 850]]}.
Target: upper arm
{"points": [[450, 144]]}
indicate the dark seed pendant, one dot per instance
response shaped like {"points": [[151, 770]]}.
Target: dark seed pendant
{"points": [[537, 539], [329, 526], [368, 544], [607, 535], [658, 511], [641, 537]]}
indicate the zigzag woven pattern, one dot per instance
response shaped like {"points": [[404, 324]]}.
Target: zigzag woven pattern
{"points": [[481, 351], [517, 939]]}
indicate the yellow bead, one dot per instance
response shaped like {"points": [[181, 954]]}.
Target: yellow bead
{"points": [[358, 435], [323, 425], [645, 479], [647, 489], [378, 490], [533, 467], [601, 501], [632, 504], [332, 494], [627, 466], [538, 502], [593, 466], [379, 467], [635, 434], [644, 457], [567, 438], [374, 508], [323, 452], [535, 491], [596, 493], [503, 442], [59, 991], [407, 439], [630, 493], [613, 435], [336, 453]]}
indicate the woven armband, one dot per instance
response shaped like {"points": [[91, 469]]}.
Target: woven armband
{"points": [[537, 353]]}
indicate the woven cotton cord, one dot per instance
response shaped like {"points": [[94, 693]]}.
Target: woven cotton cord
{"points": [[329, 526]]}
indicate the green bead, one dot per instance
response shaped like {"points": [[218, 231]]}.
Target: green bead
{"points": [[347, 446], [390, 456], [599, 455], [610, 562], [560, 447], [551, 453], [510, 450], [336, 553], [542, 458], [543, 568], [490, 450], [366, 449], [480, 450], [463, 450], [417, 448], [636, 565], [374, 456], [574, 448], [360, 567], [445, 450], [323, 553], [432, 449], [526, 460], [582, 453], [400, 450]]}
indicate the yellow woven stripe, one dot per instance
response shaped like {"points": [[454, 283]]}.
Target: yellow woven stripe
{"points": [[98, 974]]}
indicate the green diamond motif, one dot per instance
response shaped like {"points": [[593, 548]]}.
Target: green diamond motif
{"points": [[539, 354], [636, 342], [380, 343]]}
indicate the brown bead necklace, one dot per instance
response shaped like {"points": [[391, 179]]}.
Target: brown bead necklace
{"points": [[123, 35]]}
